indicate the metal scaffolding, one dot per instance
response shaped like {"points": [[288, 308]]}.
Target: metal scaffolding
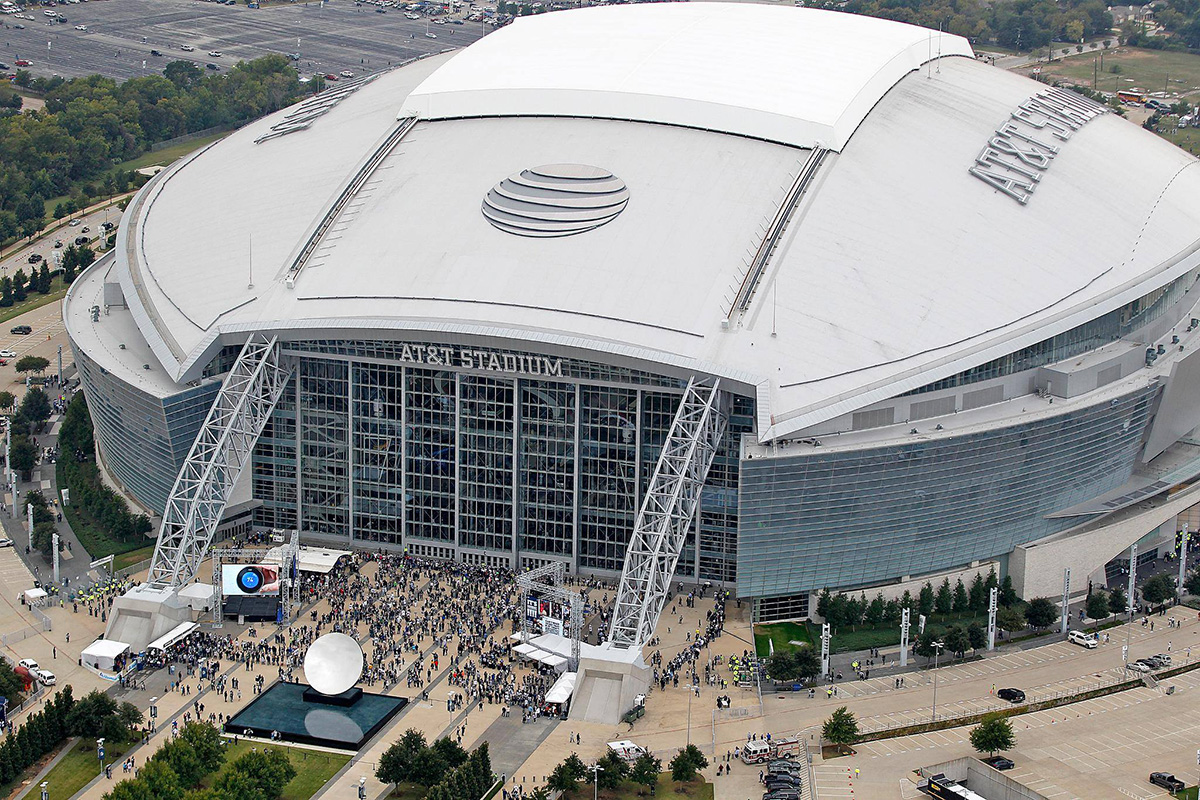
{"points": [[666, 514], [547, 581], [289, 573], [221, 450]]}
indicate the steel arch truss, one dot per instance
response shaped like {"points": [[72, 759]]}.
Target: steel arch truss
{"points": [[221, 450], [666, 514]]}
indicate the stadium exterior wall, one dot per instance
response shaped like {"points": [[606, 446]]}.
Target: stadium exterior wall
{"points": [[866, 516]]}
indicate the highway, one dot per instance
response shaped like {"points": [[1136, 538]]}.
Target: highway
{"points": [[121, 33]]}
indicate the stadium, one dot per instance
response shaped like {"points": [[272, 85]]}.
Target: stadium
{"points": [[938, 316]]}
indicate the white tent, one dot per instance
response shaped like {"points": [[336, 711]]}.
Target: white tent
{"points": [[198, 596], [175, 635], [563, 688], [105, 655], [35, 597]]}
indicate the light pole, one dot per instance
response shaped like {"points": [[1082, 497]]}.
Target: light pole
{"points": [[692, 689], [937, 650], [596, 770], [45, 791], [100, 754]]}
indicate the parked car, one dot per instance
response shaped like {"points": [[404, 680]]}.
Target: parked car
{"points": [[20, 330], [34, 258], [1167, 781], [1082, 639], [29, 663], [347, 73], [156, 53], [211, 66], [7, 354], [74, 223], [999, 762], [85, 229], [44, 676], [81, 240], [187, 48], [58, 243], [331, 77], [23, 62], [1138, 666], [6, 542], [1011, 695], [214, 53]]}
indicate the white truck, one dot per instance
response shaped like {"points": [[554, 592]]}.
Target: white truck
{"points": [[626, 749], [760, 751]]}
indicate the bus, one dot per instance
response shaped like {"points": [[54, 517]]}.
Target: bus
{"points": [[943, 787], [1128, 96]]}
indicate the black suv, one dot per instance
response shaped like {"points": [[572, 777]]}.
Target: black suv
{"points": [[23, 330], [1011, 695]]}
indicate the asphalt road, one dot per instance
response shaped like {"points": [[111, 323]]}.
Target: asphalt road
{"points": [[332, 38], [67, 234]]}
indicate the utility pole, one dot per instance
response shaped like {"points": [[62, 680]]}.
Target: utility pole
{"points": [[1129, 609], [993, 602], [937, 651], [54, 546], [59, 369], [904, 626]]}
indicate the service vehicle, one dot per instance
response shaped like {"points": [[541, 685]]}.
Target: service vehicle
{"points": [[1082, 639], [760, 750]]}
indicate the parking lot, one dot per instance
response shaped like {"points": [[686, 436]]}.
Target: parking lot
{"points": [[331, 37]]}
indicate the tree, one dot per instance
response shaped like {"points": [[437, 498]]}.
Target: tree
{"points": [[1009, 619], [160, 780], [450, 751], [925, 646], [6, 400], [978, 594], [925, 599], [823, 604], [1159, 589], [613, 770], [24, 455], [1097, 606], [876, 610], [18, 283], [43, 279], [801, 664], [6, 291], [841, 729], [426, 768], [1008, 595], [962, 601], [994, 734], [686, 763], [566, 776], [957, 640], [1041, 612], [32, 364], [646, 769], [267, 770], [86, 717], [1118, 603], [205, 740], [395, 761], [944, 601], [977, 635], [35, 407]]}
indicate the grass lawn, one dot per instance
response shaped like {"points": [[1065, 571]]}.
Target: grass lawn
{"points": [[92, 535], [1188, 794], [1186, 138], [666, 789], [168, 154], [79, 766], [863, 637], [781, 634], [1148, 70], [132, 557], [35, 300], [313, 768]]}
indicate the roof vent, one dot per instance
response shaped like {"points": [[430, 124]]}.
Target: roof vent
{"points": [[555, 200]]}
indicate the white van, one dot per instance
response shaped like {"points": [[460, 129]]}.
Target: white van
{"points": [[1082, 639]]}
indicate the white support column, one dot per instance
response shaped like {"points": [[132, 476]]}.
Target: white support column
{"points": [[29, 522], [1183, 541], [670, 504], [824, 648], [993, 603], [904, 626], [1132, 578], [1066, 599], [54, 547]]}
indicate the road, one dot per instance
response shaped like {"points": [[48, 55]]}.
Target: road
{"points": [[19, 258], [121, 34]]}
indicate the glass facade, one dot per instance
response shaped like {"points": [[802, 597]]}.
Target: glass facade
{"points": [[857, 517], [1082, 339], [479, 464], [144, 438]]}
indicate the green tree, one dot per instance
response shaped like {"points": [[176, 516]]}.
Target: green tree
{"points": [[801, 664], [994, 734], [450, 752], [1097, 605], [181, 757], [686, 763], [24, 455], [962, 601], [925, 600], [841, 729], [268, 770], [35, 407], [646, 769], [205, 740], [1159, 589], [566, 776], [160, 780], [1010, 620], [944, 601], [977, 635], [6, 401], [395, 762], [957, 641], [87, 715], [32, 364], [613, 771], [18, 283], [978, 594], [1041, 612], [6, 291], [1008, 595], [925, 646], [427, 767], [1118, 603]]}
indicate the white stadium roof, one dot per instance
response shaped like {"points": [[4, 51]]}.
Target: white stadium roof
{"points": [[897, 268], [801, 79]]}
